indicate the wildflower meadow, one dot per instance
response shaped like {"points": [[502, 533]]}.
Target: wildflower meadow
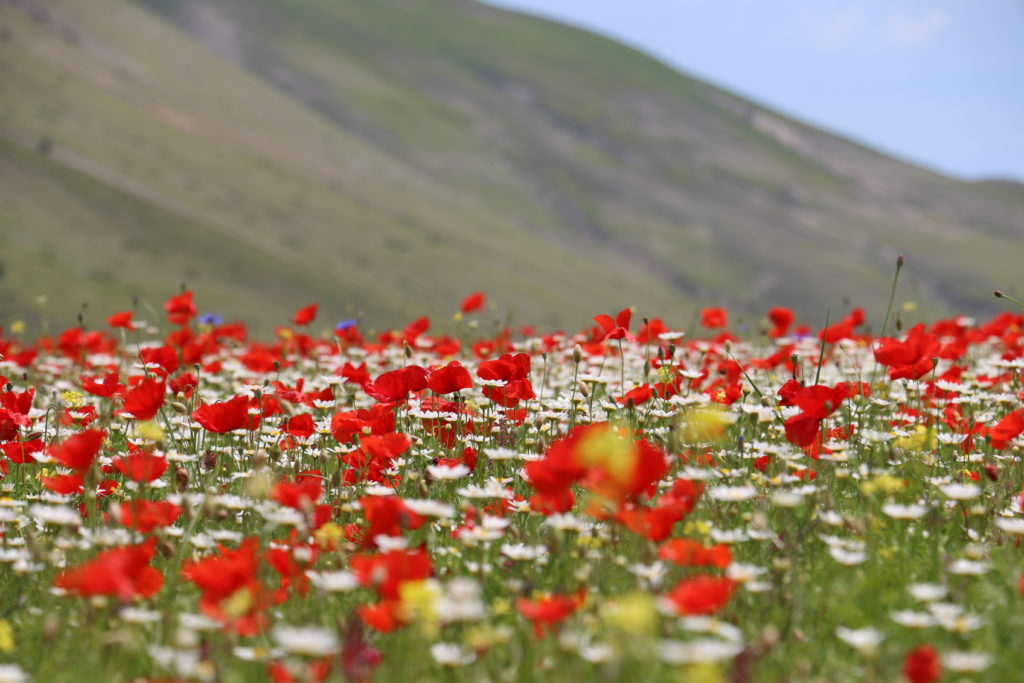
{"points": [[644, 500]]}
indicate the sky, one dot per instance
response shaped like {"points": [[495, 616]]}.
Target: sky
{"points": [[939, 83]]}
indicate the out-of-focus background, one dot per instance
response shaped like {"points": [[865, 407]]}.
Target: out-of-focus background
{"points": [[386, 157]]}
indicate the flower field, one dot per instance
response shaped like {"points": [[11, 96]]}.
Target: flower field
{"points": [[635, 501]]}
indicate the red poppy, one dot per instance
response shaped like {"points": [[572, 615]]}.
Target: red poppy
{"points": [[911, 358], [145, 515], [300, 426], [701, 595], [816, 403], [164, 356], [713, 318], [22, 451], [386, 572], [546, 613], [226, 574], [305, 316], [387, 516], [141, 466], [301, 493], [180, 309], [121, 572], [614, 329], [122, 319], [398, 384], [1007, 429], [385, 616], [224, 416], [473, 302], [449, 379], [143, 401], [922, 665], [781, 320], [654, 524], [77, 452], [690, 553], [104, 387]]}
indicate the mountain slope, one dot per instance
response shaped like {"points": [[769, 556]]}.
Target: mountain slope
{"points": [[386, 157]]}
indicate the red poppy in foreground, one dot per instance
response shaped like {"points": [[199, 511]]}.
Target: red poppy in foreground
{"points": [[224, 416], [1007, 429], [701, 595], [922, 665], [546, 613], [144, 399], [78, 451], [121, 572]]}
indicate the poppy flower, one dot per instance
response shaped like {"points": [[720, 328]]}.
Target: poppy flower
{"points": [[104, 387], [546, 613], [816, 403], [922, 665], [474, 302], [700, 595], [223, 416], [122, 319], [385, 616], [144, 400], [449, 379], [305, 316], [713, 318], [303, 492], [1007, 429], [77, 452], [781, 320], [614, 329], [121, 572], [165, 356], [23, 451], [398, 384], [385, 572], [689, 553], [911, 358], [146, 515], [141, 466], [300, 426], [180, 308]]}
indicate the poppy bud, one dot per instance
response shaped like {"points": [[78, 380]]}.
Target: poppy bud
{"points": [[899, 261], [999, 294], [181, 478], [577, 354], [179, 408], [992, 472]]}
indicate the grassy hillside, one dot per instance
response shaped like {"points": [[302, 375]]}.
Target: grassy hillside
{"points": [[385, 158]]}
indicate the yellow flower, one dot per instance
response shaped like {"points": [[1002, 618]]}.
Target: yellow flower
{"points": [[329, 534], [885, 483], [419, 600], [922, 439], [150, 431], [704, 424], [72, 399], [6, 637], [632, 613]]}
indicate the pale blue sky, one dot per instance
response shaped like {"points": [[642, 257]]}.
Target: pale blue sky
{"points": [[938, 82]]}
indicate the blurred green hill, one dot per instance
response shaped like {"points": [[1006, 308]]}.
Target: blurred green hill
{"points": [[386, 157]]}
